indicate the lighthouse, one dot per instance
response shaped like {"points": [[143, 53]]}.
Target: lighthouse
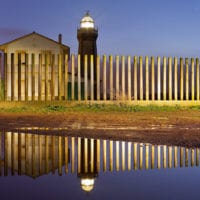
{"points": [[87, 35]]}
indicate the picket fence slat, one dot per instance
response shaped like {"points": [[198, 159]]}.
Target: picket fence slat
{"points": [[44, 77]]}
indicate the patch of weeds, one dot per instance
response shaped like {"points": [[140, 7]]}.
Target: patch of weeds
{"points": [[195, 107], [54, 108], [17, 109]]}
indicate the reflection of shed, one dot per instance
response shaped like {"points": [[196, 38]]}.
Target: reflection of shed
{"points": [[33, 155]]}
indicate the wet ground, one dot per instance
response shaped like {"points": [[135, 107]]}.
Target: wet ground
{"points": [[180, 128]]}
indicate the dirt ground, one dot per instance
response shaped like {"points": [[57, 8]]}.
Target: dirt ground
{"points": [[167, 127]]}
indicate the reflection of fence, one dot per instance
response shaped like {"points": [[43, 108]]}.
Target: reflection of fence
{"points": [[50, 77], [35, 155]]}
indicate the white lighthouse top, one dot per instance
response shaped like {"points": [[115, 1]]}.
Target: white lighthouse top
{"points": [[87, 21]]}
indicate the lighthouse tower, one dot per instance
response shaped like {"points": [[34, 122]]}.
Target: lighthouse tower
{"points": [[87, 35]]}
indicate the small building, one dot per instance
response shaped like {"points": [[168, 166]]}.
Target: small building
{"points": [[35, 43], [21, 82]]}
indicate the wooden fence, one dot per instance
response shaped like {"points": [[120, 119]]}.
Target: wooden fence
{"points": [[33, 77]]}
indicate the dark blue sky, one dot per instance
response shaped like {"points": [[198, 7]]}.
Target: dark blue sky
{"points": [[126, 27]]}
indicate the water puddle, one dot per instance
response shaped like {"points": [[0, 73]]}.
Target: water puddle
{"points": [[37, 166]]}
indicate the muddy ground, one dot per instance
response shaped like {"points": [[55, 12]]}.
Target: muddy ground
{"points": [[167, 127]]}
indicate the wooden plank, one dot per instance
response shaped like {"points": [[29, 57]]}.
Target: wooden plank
{"points": [[79, 77], [187, 79], [46, 75], [117, 78], [73, 78], [141, 78], [12, 77], [192, 80], [66, 78], [123, 79], [111, 76], [158, 79], [86, 77], [135, 78], [129, 79], [164, 78], [53, 77], [152, 79], [175, 79], [197, 79], [170, 78], [33, 75], [5, 75], [92, 77], [40, 78], [147, 77], [19, 77], [98, 77], [60, 77], [181, 79], [104, 78], [26, 76]]}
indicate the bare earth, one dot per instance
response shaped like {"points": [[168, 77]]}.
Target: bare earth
{"points": [[172, 128]]}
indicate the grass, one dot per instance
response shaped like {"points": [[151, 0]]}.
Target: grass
{"points": [[62, 106]]}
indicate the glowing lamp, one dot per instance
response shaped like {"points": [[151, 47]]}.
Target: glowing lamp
{"points": [[87, 184], [87, 21]]}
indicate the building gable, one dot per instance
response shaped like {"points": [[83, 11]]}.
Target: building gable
{"points": [[34, 43]]}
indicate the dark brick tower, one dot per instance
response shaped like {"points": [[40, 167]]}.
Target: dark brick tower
{"points": [[87, 35]]}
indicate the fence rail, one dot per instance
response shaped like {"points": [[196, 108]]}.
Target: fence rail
{"points": [[35, 77]]}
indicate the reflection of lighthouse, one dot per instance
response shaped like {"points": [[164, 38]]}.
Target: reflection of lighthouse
{"points": [[88, 169]]}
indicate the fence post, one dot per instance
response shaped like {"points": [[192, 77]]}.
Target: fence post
{"points": [[1, 78], [158, 79], [135, 78], [60, 76], [192, 79], [39, 77], [53, 73], [111, 76], [170, 78], [85, 77], [66, 78], [187, 79], [12, 77], [92, 77], [175, 79], [147, 77], [197, 79], [117, 77], [27, 77], [129, 78], [141, 78], [152, 79], [19, 77], [98, 77], [181, 79], [164, 77], [79, 77], [123, 78], [32, 75], [104, 78], [46, 76], [72, 77]]}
